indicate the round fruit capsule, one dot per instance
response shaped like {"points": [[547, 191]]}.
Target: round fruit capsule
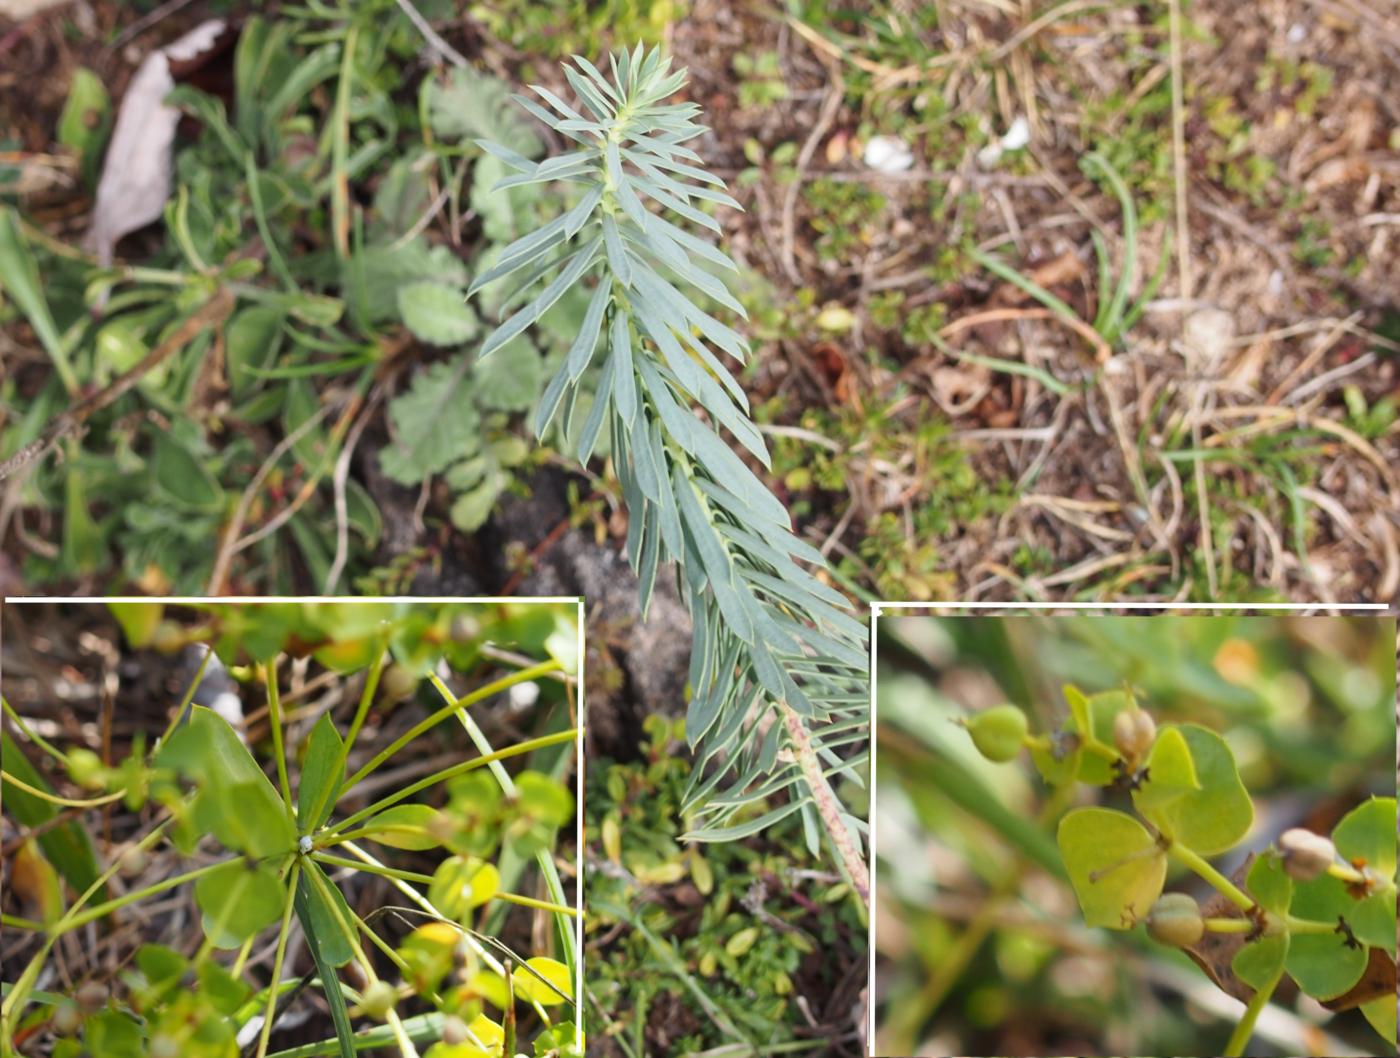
{"points": [[378, 999], [85, 768], [398, 682], [998, 732], [1134, 731], [1175, 919], [1305, 854], [67, 1019]]}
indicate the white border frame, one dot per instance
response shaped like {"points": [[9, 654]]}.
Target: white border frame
{"points": [[482, 600], [953, 609]]}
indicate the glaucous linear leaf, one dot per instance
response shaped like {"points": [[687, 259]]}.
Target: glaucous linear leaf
{"points": [[581, 351], [596, 76], [522, 318], [624, 378], [590, 95], [508, 156], [558, 104], [714, 557], [593, 425], [618, 259], [747, 828], [545, 117], [658, 194]]}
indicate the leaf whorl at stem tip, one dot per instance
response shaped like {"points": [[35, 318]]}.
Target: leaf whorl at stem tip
{"points": [[768, 633]]}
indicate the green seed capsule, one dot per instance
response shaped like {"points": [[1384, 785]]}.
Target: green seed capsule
{"points": [[397, 683], [378, 999], [67, 1019], [86, 769], [998, 733], [1175, 919], [1305, 854]]}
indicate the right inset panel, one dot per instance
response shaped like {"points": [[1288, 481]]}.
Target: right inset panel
{"points": [[1164, 835]]}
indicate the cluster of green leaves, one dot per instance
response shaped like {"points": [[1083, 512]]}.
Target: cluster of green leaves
{"points": [[324, 293], [768, 632], [934, 475], [1190, 804], [671, 922], [283, 843]]}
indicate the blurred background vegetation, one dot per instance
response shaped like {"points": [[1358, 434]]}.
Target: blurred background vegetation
{"points": [[980, 944]]}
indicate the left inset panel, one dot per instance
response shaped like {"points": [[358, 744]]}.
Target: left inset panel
{"points": [[290, 827]]}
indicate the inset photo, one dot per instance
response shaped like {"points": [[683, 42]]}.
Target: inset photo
{"points": [[290, 828], [1107, 835]]}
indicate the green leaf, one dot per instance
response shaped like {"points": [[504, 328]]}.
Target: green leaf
{"points": [[510, 380], [236, 802], [318, 940], [225, 992], [19, 278], [317, 909], [320, 776], [433, 424], [461, 884], [1078, 708], [1116, 866], [83, 123], [436, 313], [1171, 773], [67, 846], [183, 477], [548, 984], [404, 827], [1260, 961], [1269, 884], [1216, 815], [138, 620], [465, 104], [1059, 765], [1324, 964], [1381, 1014], [1103, 708], [238, 901], [1366, 836]]}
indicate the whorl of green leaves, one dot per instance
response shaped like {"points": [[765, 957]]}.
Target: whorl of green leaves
{"points": [[766, 630]]}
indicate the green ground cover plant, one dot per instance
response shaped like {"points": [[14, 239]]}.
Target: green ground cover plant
{"points": [[1319, 910], [1118, 834], [264, 857], [711, 948]]}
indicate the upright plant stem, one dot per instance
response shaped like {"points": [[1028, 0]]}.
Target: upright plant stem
{"points": [[1245, 1029], [268, 1019], [828, 807]]}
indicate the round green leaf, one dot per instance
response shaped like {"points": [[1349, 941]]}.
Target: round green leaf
{"points": [[1381, 1014], [1259, 962], [1171, 773], [1324, 964], [1214, 817], [1269, 884], [462, 883], [238, 900], [1103, 708], [1366, 836], [1116, 866], [559, 988], [404, 827], [1059, 765]]}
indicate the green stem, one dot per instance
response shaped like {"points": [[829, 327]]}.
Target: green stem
{"points": [[189, 696], [274, 711], [447, 773], [1227, 888], [1245, 1029], [1229, 925], [387, 872], [28, 732], [505, 683], [69, 802], [92, 914], [272, 992], [1304, 925]]}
